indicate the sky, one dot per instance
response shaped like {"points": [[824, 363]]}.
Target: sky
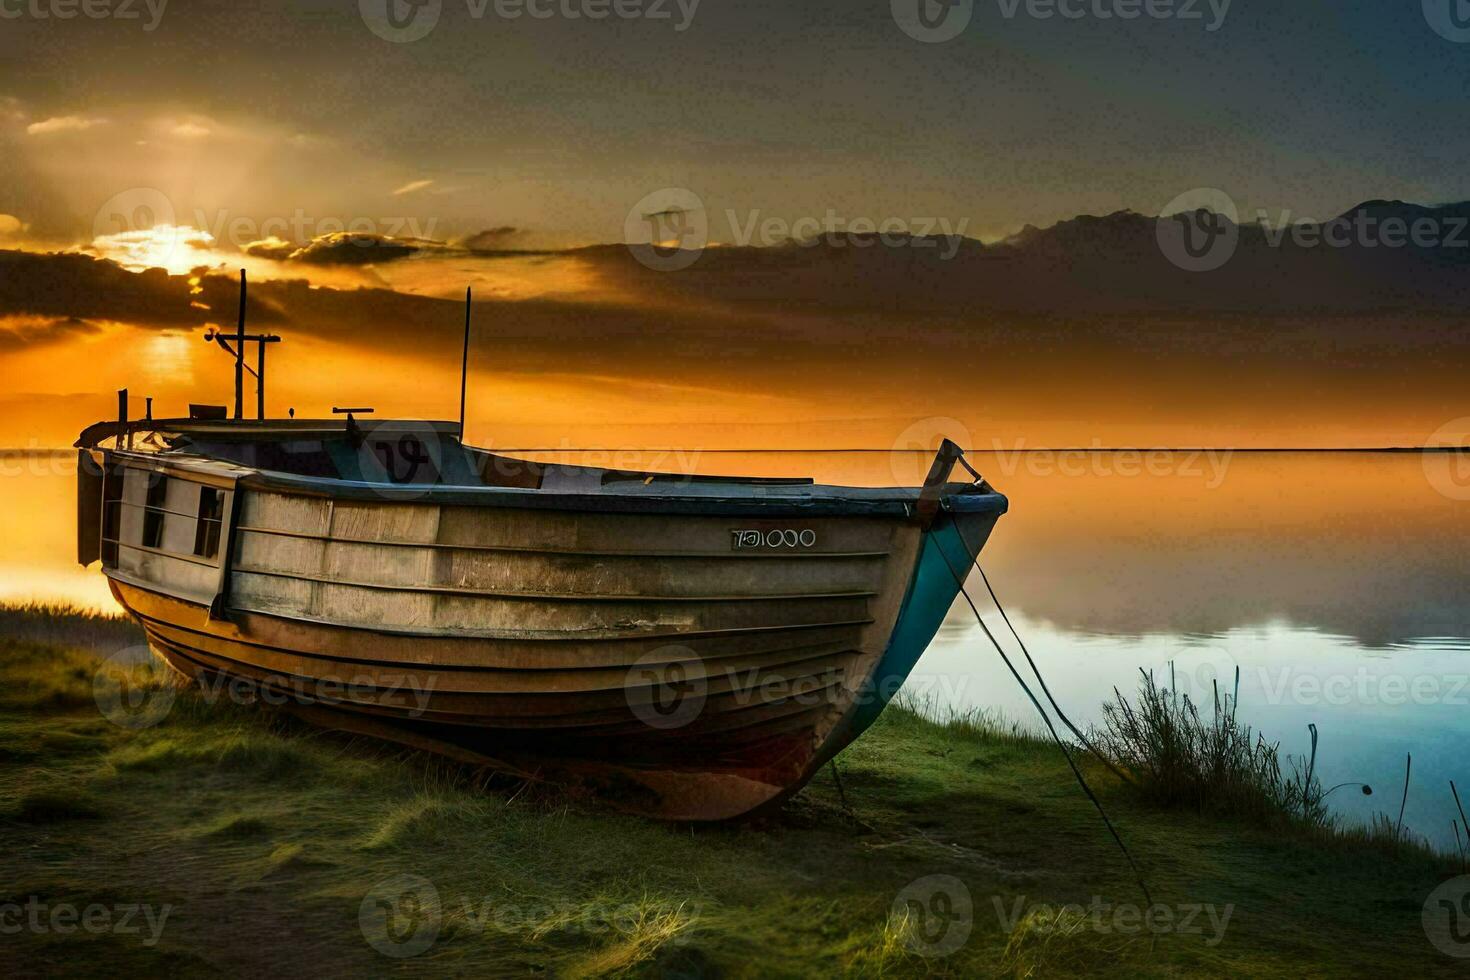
{"points": [[148, 154], [555, 127]]}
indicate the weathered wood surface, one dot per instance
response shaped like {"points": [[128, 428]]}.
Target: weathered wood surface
{"points": [[551, 632]]}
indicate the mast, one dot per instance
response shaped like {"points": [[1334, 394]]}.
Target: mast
{"points": [[241, 338], [240, 355], [260, 380], [464, 361]]}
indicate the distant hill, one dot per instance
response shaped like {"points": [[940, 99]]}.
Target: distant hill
{"points": [[1103, 264]]}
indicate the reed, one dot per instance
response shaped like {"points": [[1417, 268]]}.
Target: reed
{"points": [[69, 626], [1209, 763]]}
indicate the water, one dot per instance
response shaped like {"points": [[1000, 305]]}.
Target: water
{"points": [[1335, 582]]}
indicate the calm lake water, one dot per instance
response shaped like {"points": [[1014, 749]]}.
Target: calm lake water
{"points": [[1339, 584]]}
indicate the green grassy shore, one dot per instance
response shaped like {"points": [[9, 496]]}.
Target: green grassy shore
{"points": [[245, 842]]}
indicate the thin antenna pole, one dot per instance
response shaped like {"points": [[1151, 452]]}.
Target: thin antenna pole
{"points": [[464, 361], [240, 354], [260, 382]]}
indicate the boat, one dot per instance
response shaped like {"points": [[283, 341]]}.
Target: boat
{"points": [[689, 647]]}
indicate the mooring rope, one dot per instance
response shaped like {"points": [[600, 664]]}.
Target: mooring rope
{"points": [[1042, 680], [1071, 763]]}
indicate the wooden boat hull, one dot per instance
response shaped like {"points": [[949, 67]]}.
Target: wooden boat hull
{"points": [[697, 661]]}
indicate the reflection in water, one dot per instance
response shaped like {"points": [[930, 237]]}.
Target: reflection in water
{"points": [[1336, 582]]}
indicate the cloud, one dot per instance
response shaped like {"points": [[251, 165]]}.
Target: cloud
{"points": [[11, 225], [188, 130], [62, 124], [341, 248], [159, 245], [17, 332], [271, 248], [492, 239], [411, 186]]}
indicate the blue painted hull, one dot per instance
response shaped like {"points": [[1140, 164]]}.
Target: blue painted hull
{"points": [[950, 546]]}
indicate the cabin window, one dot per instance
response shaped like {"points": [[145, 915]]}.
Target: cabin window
{"points": [[154, 513], [112, 493], [211, 515]]}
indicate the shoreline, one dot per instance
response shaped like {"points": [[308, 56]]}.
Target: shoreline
{"points": [[960, 848]]}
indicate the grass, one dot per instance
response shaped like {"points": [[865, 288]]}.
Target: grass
{"points": [[65, 625], [1209, 763], [278, 848]]}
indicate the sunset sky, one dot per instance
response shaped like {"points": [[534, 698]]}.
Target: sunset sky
{"points": [[557, 126], [502, 154]]}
